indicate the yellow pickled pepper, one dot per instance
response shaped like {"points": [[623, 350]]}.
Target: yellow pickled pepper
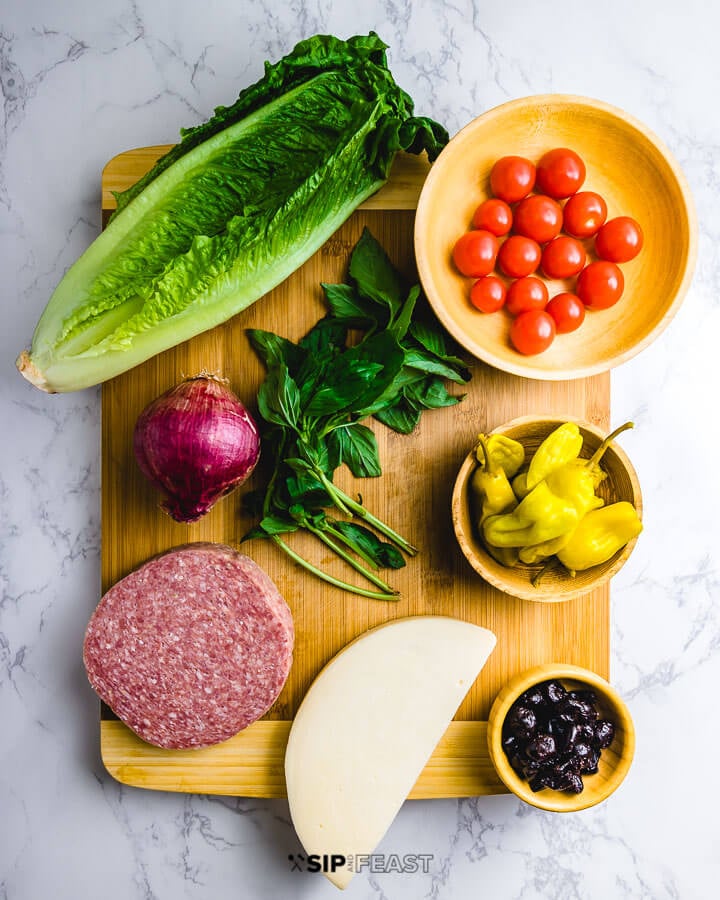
{"points": [[554, 507], [561, 446], [576, 481], [498, 458], [600, 534]]}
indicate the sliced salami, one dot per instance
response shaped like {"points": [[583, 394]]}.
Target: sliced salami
{"points": [[192, 647]]}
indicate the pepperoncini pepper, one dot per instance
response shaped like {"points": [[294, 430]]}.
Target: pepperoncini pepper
{"points": [[504, 452], [539, 517], [490, 489], [489, 485], [560, 447], [600, 534], [578, 479]]}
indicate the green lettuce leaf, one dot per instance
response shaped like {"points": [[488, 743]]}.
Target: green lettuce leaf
{"points": [[240, 203]]}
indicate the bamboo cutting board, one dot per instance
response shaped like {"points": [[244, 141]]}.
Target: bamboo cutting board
{"points": [[413, 495]]}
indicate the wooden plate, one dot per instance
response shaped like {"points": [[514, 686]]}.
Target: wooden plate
{"points": [[413, 495], [635, 173]]}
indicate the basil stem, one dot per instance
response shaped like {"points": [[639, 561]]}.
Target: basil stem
{"points": [[374, 595]]}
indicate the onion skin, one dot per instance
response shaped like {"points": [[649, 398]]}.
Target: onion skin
{"points": [[196, 443]]}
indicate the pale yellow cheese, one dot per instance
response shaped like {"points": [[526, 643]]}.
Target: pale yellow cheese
{"points": [[368, 726]]}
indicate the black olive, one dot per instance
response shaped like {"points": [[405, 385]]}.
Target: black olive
{"points": [[571, 736], [587, 695], [604, 733], [552, 736], [574, 783], [590, 762], [542, 747], [533, 697], [522, 722], [554, 691]]}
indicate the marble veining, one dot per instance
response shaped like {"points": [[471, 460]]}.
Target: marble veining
{"points": [[80, 82]]}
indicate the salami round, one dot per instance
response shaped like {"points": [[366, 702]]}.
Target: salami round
{"points": [[192, 647]]}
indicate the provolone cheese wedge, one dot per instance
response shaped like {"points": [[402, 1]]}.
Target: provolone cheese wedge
{"points": [[368, 726]]}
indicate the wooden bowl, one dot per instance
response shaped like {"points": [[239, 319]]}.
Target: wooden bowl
{"points": [[635, 173], [614, 761], [556, 584]]}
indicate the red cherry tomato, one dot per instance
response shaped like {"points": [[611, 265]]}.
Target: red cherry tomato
{"points": [[538, 217], [512, 178], [532, 332], [584, 213], [568, 312], [526, 293], [519, 256], [560, 173], [619, 240], [493, 215], [563, 257], [600, 285], [475, 252], [488, 294]]}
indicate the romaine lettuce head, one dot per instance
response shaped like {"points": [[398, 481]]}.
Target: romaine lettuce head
{"points": [[240, 203]]}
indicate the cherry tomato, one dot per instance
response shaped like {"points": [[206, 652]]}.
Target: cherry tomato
{"points": [[538, 217], [488, 294], [563, 257], [512, 178], [532, 332], [584, 213], [493, 215], [519, 256], [619, 240], [560, 173], [526, 293], [568, 312], [475, 252], [600, 285]]}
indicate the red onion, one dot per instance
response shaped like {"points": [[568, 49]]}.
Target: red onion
{"points": [[196, 443]]}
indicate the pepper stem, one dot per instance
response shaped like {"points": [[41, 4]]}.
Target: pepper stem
{"points": [[486, 454], [597, 455]]}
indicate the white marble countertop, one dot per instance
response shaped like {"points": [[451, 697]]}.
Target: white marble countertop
{"points": [[82, 80]]}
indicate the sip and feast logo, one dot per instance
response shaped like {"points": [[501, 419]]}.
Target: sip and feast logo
{"points": [[377, 863]]}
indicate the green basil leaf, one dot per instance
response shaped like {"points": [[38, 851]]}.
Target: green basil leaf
{"points": [[326, 336], [277, 525], [346, 379], [345, 303], [355, 445], [402, 322], [274, 350], [426, 362], [279, 398], [374, 274], [433, 341], [432, 394], [385, 555], [401, 417]]}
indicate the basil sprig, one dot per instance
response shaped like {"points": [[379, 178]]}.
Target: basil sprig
{"points": [[314, 397]]}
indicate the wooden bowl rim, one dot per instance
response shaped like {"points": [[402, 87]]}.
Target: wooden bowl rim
{"points": [[535, 594], [523, 367], [556, 801]]}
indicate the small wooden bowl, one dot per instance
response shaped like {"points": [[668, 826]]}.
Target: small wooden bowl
{"points": [[556, 584], [635, 173], [614, 761]]}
